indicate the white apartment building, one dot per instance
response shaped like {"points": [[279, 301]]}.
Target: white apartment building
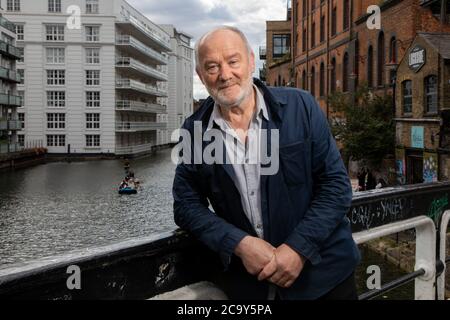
{"points": [[181, 68], [96, 76], [9, 98]]}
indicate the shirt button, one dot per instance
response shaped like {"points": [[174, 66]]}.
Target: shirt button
{"points": [[252, 193], [259, 227]]}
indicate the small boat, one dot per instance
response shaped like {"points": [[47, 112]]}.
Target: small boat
{"points": [[127, 190]]}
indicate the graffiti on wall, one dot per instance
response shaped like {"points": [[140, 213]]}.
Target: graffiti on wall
{"points": [[430, 167], [400, 166]]}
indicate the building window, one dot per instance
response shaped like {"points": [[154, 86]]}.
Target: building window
{"points": [[56, 77], [407, 96], [54, 32], [431, 94], [55, 55], [92, 120], [333, 75], [21, 94], [93, 99], [281, 45], [56, 121], [370, 67], [380, 60], [346, 12], [322, 29], [21, 117], [92, 33], [92, 6], [21, 73], [21, 140], [92, 77], [305, 9], [393, 50], [322, 80], [333, 22], [13, 5], [56, 99], [54, 5], [304, 80], [304, 40], [313, 81], [92, 55], [92, 140], [21, 54], [57, 140], [313, 34], [345, 66], [20, 32]]}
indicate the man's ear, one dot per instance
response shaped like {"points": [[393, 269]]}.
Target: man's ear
{"points": [[252, 61]]}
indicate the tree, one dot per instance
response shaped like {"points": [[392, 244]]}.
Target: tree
{"points": [[364, 124]]}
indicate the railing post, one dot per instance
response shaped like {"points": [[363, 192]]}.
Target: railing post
{"points": [[425, 259], [443, 253]]}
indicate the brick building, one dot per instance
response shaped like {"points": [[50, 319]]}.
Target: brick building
{"points": [[277, 53], [422, 107], [333, 48]]}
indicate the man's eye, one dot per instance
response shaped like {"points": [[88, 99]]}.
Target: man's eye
{"points": [[212, 68]]}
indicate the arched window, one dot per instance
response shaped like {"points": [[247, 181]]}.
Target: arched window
{"points": [[346, 14], [279, 80], [333, 75], [356, 68], [393, 50], [333, 21], [407, 96], [431, 94], [380, 60], [345, 66], [322, 80], [313, 34], [304, 80], [370, 67], [313, 81], [304, 8]]}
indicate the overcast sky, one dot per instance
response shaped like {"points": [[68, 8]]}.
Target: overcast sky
{"points": [[196, 17]]}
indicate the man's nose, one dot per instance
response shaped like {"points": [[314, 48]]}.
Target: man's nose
{"points": [[225, 72]]}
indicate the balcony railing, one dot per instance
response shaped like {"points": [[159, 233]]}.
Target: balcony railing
{"points": [[134, 149], [14, 125], [9, 75], [5, 23], [137, 106], [8, 148], [129, 40], [139, 86], [165, 43], [140, 126], [132, 63], [10, 50], [10, 100]]}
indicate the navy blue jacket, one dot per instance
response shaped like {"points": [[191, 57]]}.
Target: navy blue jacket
{"points": [[304, 205]]}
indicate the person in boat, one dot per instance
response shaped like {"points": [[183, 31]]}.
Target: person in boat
{"points": [[281, 234]]}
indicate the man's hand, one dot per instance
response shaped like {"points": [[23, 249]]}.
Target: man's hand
{"points": [[255, 254], [284, 269]]}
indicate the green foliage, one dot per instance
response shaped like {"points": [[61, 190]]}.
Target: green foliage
{"points": [[364, 124]]}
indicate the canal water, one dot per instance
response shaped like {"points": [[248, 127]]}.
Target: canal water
{"points": [[56, 208]]}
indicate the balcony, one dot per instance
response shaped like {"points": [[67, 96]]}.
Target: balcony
{"points": [[9, 148], [12, 125], [10, 50], [133, 85], [137, 106], [122, 150], [135, 68], [262, 53], [5, 23], [140, 126], [133, 26], [10, 100], [10, 75], [133, 47]]}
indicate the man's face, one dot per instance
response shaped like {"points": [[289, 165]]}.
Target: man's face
{"points": [[226, 68]]}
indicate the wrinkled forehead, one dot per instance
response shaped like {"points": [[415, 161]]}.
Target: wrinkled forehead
{"points": [[222, 43]]}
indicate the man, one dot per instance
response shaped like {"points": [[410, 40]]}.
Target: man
{"points": [[283, 235]]}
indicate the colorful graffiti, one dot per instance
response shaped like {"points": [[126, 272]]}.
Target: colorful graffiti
{"points": [[430, 167], [437, 207], [400, 166]]}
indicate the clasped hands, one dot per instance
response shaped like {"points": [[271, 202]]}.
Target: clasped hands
{"points": [[281, 265]]}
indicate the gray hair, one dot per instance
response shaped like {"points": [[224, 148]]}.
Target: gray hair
{"points": [[229, 28]]}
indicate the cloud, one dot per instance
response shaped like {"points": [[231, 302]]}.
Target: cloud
{"points": [[197, 17]]}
